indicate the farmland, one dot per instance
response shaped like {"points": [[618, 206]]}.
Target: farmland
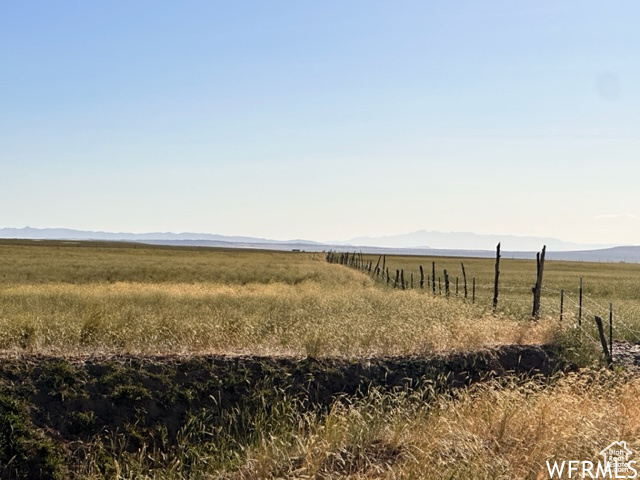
{"points": [[95, 337]]}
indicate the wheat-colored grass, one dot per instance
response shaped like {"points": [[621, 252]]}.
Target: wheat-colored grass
{"points": [[487, 432], [308, 318], [93, 297]]}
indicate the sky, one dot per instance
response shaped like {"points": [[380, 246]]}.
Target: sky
{"points": [[322, 120]]}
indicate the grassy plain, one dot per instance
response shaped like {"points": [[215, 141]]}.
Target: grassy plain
{"points": [[67, 299], [603, 283]]}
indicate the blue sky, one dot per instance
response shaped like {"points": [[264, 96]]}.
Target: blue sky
{"points": [[322, 120]]}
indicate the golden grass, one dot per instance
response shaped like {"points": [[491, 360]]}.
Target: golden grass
{"points": [[487, 432], [307, 318], [98, 297], [604, 283]]}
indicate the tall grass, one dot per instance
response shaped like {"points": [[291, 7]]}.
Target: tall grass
{"points": [[309, 318], [506, 430], [486, 432], [66, 298], [603, 283]]}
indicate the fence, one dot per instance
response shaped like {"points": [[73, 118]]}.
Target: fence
{"points": [[583, 305]]}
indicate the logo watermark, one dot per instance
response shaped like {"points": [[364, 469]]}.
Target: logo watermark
{"points": [[615, 462]]}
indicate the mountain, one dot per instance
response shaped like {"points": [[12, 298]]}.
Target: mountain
{"points": [[69, 234], [470, 241], [450, 244]]}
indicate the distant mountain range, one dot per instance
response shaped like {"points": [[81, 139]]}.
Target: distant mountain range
{"points": [[468, 240], [422, 242], [69, 234]]}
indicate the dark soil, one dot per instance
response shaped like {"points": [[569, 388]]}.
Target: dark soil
{"points": [[48, 404]]}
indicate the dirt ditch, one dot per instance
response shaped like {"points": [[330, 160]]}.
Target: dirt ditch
{"points": [[48, 404]]}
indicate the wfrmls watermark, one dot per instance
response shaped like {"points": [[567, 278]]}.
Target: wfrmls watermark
{"points": [[615, 463]]}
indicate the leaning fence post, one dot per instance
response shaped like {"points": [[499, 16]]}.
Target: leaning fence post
{"points": [[464, 279], [603, 341], [375, 270]]}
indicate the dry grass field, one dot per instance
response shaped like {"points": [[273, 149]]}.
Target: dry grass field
{"points": [[67, 299], [77, 301]]}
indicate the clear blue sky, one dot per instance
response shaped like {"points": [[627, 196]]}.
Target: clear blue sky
{"points": [[322, 120]]}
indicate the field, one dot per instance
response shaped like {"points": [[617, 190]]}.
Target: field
{"points": [[103, 347]]}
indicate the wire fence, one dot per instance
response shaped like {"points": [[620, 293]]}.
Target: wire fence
{"points": [[571, 304]]}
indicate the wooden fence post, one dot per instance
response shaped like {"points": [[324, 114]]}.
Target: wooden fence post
{"points": [[412, 281], [395, 284], [561, 303], [439, 286], [496, 278], [603, 340], [456, 286], [375, 270], [387, 276], [402, 279], [473, 290], [433, 277], [446, 283], [464, 279], [421, 277], [580, 303], [537, 289]]}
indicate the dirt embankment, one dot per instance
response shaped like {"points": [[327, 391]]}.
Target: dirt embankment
{"points": [[48, 404]]}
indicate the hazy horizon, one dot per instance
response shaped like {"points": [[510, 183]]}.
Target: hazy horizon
{"points": [[323, 121], [417, 239]]}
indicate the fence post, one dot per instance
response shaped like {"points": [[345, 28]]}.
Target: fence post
{"points": [[439, 286], [537, 289], [446, 283], [412, 281], [395, 284], [603, 341], [580, 303], [421, 277], [561, 303], [377, 265], [402, 279], [496, 278], [387, 276], [464, 279], [433, 277], [473, 290], [456, 286]]}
